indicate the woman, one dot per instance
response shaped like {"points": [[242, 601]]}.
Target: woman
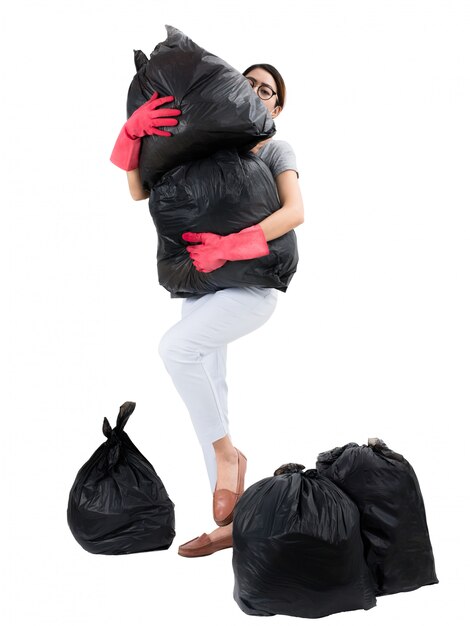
{"points": [[195, 349]]}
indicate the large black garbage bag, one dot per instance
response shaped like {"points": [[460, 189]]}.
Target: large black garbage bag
{"points": [[219, 108], [118, 504], [297, 548], [220, 194], [393, 520]]}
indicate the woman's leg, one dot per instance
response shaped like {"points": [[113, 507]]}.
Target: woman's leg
{"points": [[194, 352], [216, 366]]}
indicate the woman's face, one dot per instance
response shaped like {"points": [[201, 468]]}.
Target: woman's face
{"points": [[261, 77]]}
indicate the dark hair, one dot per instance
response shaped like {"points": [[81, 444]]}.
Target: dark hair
{"points": [[280, 85]]}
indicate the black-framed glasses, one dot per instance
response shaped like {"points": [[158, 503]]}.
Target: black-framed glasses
{"points": [[265, 92]]}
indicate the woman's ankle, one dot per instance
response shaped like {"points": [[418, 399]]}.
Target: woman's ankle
{"points": [[227, 456], [224, 449]]}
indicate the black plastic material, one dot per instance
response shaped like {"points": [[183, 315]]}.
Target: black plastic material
{"points": [[393, 520], [118, 504], [222, 194], [297, 548], [219, 108]]}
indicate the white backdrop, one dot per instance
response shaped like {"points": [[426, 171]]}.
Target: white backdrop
{"points": [[370, 340]]}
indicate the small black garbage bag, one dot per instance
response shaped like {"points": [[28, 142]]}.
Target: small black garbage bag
{"points": [[297, 548], [219, 108], [222, 194], [118, 504], [393, 520]]}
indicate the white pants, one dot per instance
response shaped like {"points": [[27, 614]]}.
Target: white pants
{"points": [[194, 352]]}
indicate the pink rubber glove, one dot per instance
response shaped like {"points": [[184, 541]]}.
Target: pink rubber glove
{"points": [[215, 250], [144, 121]]}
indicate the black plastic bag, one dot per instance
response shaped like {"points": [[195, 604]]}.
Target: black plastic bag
{"points": [[118, 504], [297, 548], [219, 108], [223, 193], [393, 520]]}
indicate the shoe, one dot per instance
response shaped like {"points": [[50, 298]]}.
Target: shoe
{"points": [[224, 500], [203, 545]]}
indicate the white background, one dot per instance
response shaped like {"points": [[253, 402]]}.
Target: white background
{"points": [[370, 340]]}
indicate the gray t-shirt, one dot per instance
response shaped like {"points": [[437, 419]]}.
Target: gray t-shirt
{"points": [[278, 156]]}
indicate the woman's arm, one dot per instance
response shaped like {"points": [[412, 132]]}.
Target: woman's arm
{"points": [[291, 213], [146, 120], [135, 185]]}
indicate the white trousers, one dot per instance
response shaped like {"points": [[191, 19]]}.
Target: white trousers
{"points": [[194, 352]]}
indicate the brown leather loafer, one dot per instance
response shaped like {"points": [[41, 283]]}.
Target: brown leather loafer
{"points": [[202, 546], [224, 500]]}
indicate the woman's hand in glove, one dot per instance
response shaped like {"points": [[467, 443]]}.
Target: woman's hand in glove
{"points": [[145, 120], [215, 250]]}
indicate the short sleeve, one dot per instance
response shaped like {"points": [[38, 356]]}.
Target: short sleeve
{"points": [[282, 158]]}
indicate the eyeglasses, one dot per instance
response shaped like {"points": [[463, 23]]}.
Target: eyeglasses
{"points": [[264, 91]]}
